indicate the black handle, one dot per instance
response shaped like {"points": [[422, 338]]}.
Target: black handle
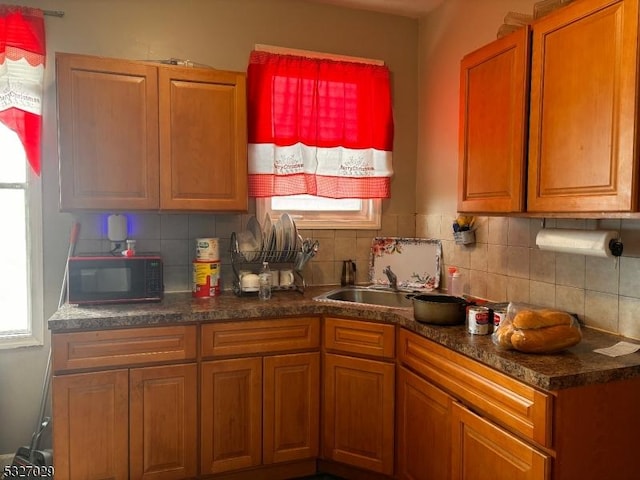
{"points": [[616, 247]]}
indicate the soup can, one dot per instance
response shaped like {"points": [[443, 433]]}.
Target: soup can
{"points": [[499, 316], [478, 320], [207, 249], [206, 279]]}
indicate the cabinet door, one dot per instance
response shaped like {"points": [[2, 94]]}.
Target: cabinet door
{"points": [[231, 415], [493, 125], [423, 428], [203, 140], [163, 422], [108, 133], [583, 109], [359, 412], [91, 425], [291, 407], [481, 450]]}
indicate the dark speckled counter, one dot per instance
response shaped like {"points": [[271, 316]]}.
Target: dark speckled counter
{"points": [[574, 367]]}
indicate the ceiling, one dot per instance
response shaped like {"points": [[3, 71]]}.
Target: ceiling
{"points": [[407, 8]]}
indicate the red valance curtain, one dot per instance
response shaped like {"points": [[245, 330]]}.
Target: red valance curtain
{"points": [[22, 59], [318, 126]]}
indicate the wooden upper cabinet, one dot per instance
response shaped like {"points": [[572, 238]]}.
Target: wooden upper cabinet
{"points": [[493, 125], [108, 133], [143, 136], [583, 109], [203, 139]]}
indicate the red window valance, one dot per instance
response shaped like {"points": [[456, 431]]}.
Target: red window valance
{"points": [[318, 126]]}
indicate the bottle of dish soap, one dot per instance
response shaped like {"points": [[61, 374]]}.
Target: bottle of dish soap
{"points": [[264, 278]]}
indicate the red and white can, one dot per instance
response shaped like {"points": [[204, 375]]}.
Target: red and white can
{"points": [[206, 279], [499, 316], [478, 320]]}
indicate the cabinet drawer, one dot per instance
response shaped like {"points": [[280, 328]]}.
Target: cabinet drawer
{"points": [[519, 407], [260, 336], [359, 337], [107, 348], [479, 443]]}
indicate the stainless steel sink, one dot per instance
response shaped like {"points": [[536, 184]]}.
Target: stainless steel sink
{"points": [[368, 296]]}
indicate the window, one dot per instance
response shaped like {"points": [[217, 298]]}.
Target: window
{"points": [[320, 137], [313, 212], [21, 322]]}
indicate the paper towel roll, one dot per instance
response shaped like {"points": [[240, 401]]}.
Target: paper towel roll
{"points": [[594, 243]]}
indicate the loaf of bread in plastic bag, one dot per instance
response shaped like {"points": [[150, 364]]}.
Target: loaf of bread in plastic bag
{"points": [[537, 330]]}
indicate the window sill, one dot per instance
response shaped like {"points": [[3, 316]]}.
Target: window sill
{"points": [[9, 342]]}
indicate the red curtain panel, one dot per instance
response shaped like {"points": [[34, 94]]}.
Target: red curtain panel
{"points": [[22, 59]]}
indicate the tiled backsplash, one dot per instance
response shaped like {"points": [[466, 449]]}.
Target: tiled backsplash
{"points": [[505, 265], [173, 235]]}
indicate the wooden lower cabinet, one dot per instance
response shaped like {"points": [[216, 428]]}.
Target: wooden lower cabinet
{"points": [[482, 450], [423, 429], [91, 425], [291, 407], [358, 412], [259, 411], [440, 439], [231, 415], [163, 422], [139, 423], [458, 419]]}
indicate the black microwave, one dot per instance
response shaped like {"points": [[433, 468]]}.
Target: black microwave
{"points": [[96, 279]]}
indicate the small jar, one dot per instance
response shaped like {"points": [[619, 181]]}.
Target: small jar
{"points": [[456, 284], [130, 251]]}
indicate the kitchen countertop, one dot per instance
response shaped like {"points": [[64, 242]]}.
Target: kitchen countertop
{"points": [[576, 366]]}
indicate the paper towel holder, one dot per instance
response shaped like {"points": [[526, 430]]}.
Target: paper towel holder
{"points": [[608, 247]]}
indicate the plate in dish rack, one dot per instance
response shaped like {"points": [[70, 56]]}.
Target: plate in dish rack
{"points": [[415, 261]]}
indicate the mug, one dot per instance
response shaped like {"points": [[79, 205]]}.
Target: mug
{"points": [[286, 278], [249, 282], [275, 278]]}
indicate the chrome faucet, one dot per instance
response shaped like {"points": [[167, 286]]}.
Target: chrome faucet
{"points": [[393, 279]]}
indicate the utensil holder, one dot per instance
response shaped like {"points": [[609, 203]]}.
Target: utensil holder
{"points": [[465, 237]]}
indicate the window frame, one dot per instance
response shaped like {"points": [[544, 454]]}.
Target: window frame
{"points": [[369, 217], [35, 296]]}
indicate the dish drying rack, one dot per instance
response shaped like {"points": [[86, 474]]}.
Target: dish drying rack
{"points": [[294, 260]]}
